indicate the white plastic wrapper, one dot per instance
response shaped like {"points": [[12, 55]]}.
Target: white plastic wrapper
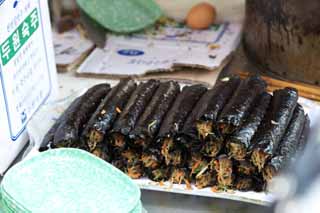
{"points": [[46, 117]]}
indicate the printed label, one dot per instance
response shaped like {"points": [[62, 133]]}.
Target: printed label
{"points": [[25, 82], [19, 37]]}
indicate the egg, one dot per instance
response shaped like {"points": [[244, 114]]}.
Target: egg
{"points": [[201, 16]]}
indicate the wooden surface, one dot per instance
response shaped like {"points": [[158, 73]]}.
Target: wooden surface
{"points": [[241, 65]]}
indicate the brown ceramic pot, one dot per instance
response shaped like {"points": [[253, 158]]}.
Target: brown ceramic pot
{"points": [[283, 36]]}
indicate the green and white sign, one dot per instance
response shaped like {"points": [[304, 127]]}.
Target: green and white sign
{"points": [[19, 37], [27, 70]]}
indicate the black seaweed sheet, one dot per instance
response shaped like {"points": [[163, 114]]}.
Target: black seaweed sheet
{"points": [[273, 127], [173, 123], [48, 138], [240, 104], [133, 110], [107, 112], [149, 123], [180, 110], [239, 142], [305, 134], [207, 109], [288, 145], [211, 104], [70, 128]]}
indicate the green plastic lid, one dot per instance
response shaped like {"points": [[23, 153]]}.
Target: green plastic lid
{"points": [[68, 180], [122, 16]]}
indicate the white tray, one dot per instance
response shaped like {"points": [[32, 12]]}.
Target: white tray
{"points": [[47, 115]]}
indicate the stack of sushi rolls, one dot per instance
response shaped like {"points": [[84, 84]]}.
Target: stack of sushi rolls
{"points": [[234, 135]]}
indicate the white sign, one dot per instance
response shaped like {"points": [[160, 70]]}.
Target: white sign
{"points": [[27, 70]]}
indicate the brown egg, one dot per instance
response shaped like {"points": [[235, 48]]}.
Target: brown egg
{"points": [[201, 16]]}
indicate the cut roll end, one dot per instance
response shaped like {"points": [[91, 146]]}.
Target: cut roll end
{"points": [[259, 159], [179, 176], [118, 140], [269, 172], [150, 161], [166, 149], [135, 171], [244, 184], [223, 167], [204, 128], [204, 180], [236, 151], [95, 137], [212, 147]]}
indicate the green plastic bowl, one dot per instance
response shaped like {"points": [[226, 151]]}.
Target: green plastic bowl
{"points": [[122, 16], [68, 180]]}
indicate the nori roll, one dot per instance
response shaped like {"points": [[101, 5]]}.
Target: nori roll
{"points": [[244, 183], [133, 168], [206, 177], [49, 137], [239, 142], [174, 121], [152, 158], [212, 144], [103, 118], [211, 104], [131, 113], [102, 151], [288, 145], [150, 121], [201, 124], [270, 133], [69, 131], [159, 174], [246, 168], [180, 176], [234, 113]]}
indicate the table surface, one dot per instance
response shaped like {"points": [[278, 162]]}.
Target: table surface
{"points": [[162, 202]]}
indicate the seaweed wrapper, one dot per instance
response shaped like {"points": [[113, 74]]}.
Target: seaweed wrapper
{"points": [[129, 116], [273, 128], [104, 117], [208, 108], [135, 107], [240, 104], [183, 105], [239, 142], [69, 131], [288, 145], [150, 121], [211, 104], [49, 137], [173, 152]]}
